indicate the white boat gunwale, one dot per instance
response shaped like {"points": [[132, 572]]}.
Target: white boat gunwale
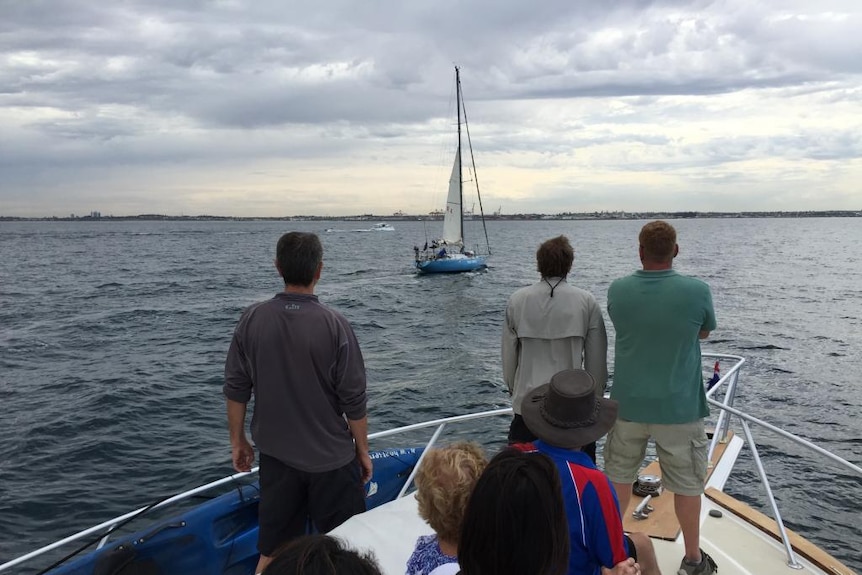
{"points": [[716, 481], [731, 378]]}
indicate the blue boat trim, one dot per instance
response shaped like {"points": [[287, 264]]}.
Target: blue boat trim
{"points": [[220, 535], [451, 265]]}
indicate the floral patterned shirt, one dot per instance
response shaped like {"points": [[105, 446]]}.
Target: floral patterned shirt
{"points": [[427, 556]]}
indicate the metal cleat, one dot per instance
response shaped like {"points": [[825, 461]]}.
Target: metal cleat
{"points": [[643, 509]]}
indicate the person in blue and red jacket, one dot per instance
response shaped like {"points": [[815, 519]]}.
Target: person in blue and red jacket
{"points": [[566, 414]]}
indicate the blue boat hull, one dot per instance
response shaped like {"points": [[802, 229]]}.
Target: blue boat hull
{"points": [[451, 265], [220, 535]]}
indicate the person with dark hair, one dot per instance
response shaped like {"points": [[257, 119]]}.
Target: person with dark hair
{"points": [[320, 555], [551, 326], [660, 317], [566, 415], [515, 523], [302, 362]]}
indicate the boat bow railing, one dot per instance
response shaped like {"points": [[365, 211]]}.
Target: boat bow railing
{"points": [[730, 381], [440, 424], [105, 529]]}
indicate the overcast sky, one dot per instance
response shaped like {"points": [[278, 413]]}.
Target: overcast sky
{"points": [[277, 108]]}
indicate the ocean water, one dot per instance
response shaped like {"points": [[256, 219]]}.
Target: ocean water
{"points": [[113, 337]]}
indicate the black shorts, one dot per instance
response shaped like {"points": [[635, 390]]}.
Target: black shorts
{"points": [[633, 552], [292, 502]]}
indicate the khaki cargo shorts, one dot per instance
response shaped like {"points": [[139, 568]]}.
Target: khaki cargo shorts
{"points": [[681, 448]]}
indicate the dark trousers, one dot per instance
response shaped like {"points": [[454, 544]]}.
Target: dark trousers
{"points": [[289, 498], [520, 433]]}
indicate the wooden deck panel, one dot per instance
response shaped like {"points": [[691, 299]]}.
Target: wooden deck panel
{"points": [[662, 522], [766, 524]]}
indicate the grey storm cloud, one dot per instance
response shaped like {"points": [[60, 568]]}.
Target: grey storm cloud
{"points": [[171, 81], [224, 63]]}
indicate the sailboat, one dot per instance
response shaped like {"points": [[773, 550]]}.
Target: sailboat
{"points": [[449, 254]]}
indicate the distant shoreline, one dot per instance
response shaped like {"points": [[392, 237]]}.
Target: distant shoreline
{"points": [[426, 217]]}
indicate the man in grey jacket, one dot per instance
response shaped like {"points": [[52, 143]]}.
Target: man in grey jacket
{"points": [[551, 326], [302, 362]]}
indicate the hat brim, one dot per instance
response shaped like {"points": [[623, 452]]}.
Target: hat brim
{"points": [[567, 438]]}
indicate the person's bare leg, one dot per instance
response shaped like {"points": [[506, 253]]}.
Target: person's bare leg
{"points": [[646, 554], [262, 563], [687, 508], [624, 495]]}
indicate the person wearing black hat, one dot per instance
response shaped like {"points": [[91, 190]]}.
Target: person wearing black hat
{"points": [[566, 414]]}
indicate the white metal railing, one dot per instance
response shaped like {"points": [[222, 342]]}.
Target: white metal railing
{"points": [[107, 527], [729, 381], [110, 524]]}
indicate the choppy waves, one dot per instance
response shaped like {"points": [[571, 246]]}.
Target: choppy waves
{"points": [[112, 343]]}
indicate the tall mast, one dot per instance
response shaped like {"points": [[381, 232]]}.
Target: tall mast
{"points": [[460, 171], [473, 163]]}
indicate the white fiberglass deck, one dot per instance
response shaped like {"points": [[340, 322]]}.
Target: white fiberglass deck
{"points": [[735, 540], [738, 548]]}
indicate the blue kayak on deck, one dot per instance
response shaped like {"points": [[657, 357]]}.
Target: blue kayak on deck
{"points": [[218, 536]]}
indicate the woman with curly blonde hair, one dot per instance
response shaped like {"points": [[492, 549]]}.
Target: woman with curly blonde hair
{"points": [[444, 482]]}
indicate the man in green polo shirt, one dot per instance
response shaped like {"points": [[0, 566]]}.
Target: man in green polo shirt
{"points": [[660, 317]]}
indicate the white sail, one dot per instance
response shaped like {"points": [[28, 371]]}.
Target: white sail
{"points": [[452, 217]]}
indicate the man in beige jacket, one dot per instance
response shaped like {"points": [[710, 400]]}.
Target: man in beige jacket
{"points": [[551, 326]]}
